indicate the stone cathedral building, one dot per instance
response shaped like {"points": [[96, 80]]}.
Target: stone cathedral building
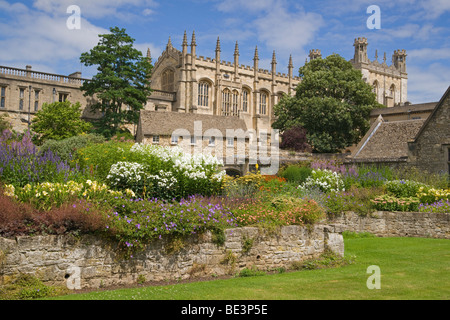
{"points": [[208, 89]]}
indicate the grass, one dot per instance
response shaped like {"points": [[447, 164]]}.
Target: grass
{"points": [[411, 269]]}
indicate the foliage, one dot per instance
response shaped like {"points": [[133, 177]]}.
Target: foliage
{"points": [[133, 222], [325, 180], [27, 287], [431, 195], [392, 203], [167, 173], [21, 163], [46, 195], [251, 272], [358, 200], [4, 124], [59, 121], [242, 187], [327, 259], [22, 219], [441, 206], [122, 82], [297, 174], [404, 188], [100, 157], [295, 139], [66, 149], [332, 103], [280, 211]]}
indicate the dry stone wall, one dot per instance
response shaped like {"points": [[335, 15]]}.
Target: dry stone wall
{"points": [[91, 262], [397, 224]]}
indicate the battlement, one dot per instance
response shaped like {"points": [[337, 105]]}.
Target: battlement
{"points": [[315, 52], [400, 52], [361, 40]]}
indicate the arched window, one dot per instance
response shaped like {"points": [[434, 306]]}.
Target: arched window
{"points": [[235, 104], [245, 100], [263, 103], [203, 94], [375, 89], [167, 81], [226, 102], [392, 92]]}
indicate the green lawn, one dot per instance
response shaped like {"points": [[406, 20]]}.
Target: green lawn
{"points": [[411, 268]]}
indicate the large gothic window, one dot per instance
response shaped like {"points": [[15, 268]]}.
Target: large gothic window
{"points": [[245, 100], [263, 103], [226, 102], [167, 81], [203, 94], [235, 104]]}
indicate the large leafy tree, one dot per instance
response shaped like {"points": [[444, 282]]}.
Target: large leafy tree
{"points": [[58, 121], [332, 102], [121, 85]]}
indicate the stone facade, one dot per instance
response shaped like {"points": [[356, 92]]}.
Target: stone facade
{"points": [[90, 262], [430, 149], [24, 91], [397, 224], [390, 83], [185, 82]]}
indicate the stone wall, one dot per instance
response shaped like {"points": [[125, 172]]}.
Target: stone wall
{"points": [[397, 224], [90, 262]]}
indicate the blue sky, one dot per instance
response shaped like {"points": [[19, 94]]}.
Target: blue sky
{"points": [[35, 32]]}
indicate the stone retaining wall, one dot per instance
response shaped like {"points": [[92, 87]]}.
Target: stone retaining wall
{"points": [[91, 262], [397, 224]]}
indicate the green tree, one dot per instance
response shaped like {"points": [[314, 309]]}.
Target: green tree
{"points": [[58, 121], [121, 85], [332, 102]]}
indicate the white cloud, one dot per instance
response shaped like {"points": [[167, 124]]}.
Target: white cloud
{"points": [[96, 9], [429, 54], [428, 84], [247, 5]]}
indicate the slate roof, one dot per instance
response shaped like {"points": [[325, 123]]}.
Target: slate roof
{"points": [[387, 141], [412, 108], [165, 123]]}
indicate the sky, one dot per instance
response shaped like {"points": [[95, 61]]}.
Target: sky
{"points": [[45, 33]]}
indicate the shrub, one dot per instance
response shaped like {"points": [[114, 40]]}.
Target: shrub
{"points": [[356, 200], [242, 187], [100, 157], [167, 173], [441, 206], [404, 188], [135, 222], [427, 195], [295, 139], [58, 121], [391, 203], [66, 149], [21, 163], [46, 195], [19, 219], [325, 180], [27, 287], [296, 174]]}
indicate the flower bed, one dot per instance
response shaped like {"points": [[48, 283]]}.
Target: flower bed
{"points": [[137, 193]]}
